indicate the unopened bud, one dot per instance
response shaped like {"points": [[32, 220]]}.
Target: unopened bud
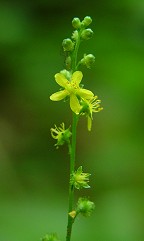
{"points": [[86, 34], [87, 21], [76, 23], [66, 73], [68, 45], [88, 60]]}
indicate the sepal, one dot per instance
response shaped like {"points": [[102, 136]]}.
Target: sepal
{"points": [[79, 179], [50, 237]]}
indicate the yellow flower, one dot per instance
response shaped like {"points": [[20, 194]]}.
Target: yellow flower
{"points": [[90, 106], [71, 89]]}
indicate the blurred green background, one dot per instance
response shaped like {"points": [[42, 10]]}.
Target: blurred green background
{"points": [[33, 175]]}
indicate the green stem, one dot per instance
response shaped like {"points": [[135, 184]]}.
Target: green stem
{"points": [[72, 166], [72, 148], [75, 53]]}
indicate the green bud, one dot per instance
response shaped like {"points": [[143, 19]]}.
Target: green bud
{"points": [[68, 45], [87, 34], [50, 237], [87, 21], [66, 73], [76, 23], [88, 60], [85, 207]]}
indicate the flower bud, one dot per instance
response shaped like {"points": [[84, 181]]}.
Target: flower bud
{"points": [[87, 21], [87, 34], [66, 73], [76, 23], [68, 45], [85, 207], [88, 60]]}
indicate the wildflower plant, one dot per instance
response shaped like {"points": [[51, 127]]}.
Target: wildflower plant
{"points": [[83, 102]]}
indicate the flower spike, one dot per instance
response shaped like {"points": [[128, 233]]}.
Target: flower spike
{"points": [[82, 103]]}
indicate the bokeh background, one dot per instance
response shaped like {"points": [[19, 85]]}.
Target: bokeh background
{"points": [[33, 175]]}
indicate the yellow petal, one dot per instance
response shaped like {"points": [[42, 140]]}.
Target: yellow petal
{"points": [[61, 80], [74, 104], [84, 93], [59, 95], [77, 77]]}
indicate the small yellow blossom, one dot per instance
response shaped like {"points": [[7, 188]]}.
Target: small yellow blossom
{"points": [[90, 106], [71, 89]]}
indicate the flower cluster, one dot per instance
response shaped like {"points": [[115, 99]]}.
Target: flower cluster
{"points": [[70, 45]]}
